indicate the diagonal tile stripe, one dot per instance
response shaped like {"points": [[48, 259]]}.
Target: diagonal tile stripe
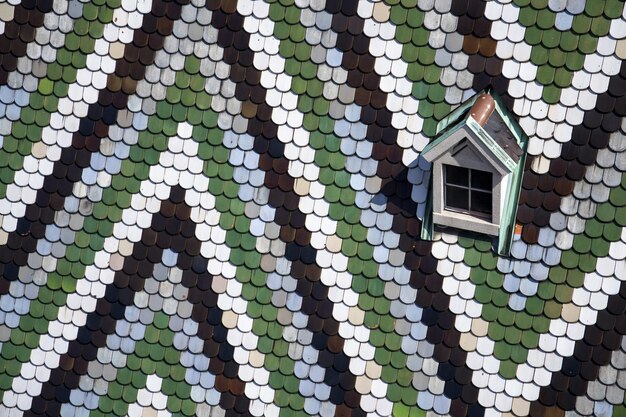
{"points": [[19, 32], [299, 253], [85, 141]]}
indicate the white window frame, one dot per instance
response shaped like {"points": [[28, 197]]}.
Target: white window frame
{"points": [[443, 216]]}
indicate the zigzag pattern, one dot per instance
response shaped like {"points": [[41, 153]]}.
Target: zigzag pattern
{"points": [[213, 208]]}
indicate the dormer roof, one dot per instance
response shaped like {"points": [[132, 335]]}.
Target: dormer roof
{"points": [[485, 123], [490, 127]]}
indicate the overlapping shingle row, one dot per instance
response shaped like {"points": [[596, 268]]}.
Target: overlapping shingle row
{"points": [[214, 208]]}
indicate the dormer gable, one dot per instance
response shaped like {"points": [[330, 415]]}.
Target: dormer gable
{"points": [[477, 164], [485, 128]]}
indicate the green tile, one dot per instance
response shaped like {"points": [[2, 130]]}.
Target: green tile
{"points": [[605, 213], [552, 309], [415, 72], [496, 331], [581, 24], [617, 197], [403, 32], [530, 340], [297, 33], [382, 357], [523, 320], [533, 35], [426, 56], [534, 306], [527, 16], [506, 317], [545, 19], [308, 70], [432, 75], [415, 19], [472, 258], [105, 404], [587, 262], [499, 298], [600, 248], [612, 231], [507, 369], [483, 294], [426, 109], [436, 93], [600, 27], [488, 261], [613, 9], [594, 9], [349, 247], [381, 306], [582, 244], [562, 77], [495, 279], [441, 110], [569, 259], [545, 74], [366, 302], [587, 44], [513, 336], [539, 56], [546, 290], [502, 351]]}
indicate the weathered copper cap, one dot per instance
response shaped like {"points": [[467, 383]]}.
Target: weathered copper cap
{"points": [[482, 109]]}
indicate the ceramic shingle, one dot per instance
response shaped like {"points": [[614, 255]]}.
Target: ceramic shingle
{"points": [[213, 208]]}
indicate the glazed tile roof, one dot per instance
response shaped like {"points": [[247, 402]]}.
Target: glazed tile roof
{"points": [[213, 208]]}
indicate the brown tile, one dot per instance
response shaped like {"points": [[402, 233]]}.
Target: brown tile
{"points": [[563, 186], [534, 199], [554, 412], [355, 28], [599, 139], [575, 171], [587, 156], [362, 97], [493, 66], [459, 8], [465, 25], [548, 397], [482, 25], [469, 394], [339, 23], [471, 44], [476, 64], [530, 234], [566, 401], [487, 47], [458, 408]]}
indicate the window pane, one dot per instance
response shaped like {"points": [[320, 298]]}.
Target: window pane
{"points": [[481, 180], [481, 202], [457, 175], [457, 198]]}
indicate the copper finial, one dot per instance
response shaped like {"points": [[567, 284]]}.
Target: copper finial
{"points": [[482, 109]]}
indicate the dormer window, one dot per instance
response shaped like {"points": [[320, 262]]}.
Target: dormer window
{"points": [[468, 191], [477, 166]]}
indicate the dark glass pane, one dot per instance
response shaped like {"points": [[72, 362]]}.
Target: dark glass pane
{"points": [[481, 180], [481, 202], [457, 175], [457, 198]]}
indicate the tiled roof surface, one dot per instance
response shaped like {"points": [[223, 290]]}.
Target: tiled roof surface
{"points": [[212, 208]]}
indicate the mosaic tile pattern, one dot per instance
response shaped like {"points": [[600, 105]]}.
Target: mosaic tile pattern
{"points": [[213, 208]]}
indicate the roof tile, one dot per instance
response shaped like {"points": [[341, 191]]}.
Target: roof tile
{"points": [[153, 157]]}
